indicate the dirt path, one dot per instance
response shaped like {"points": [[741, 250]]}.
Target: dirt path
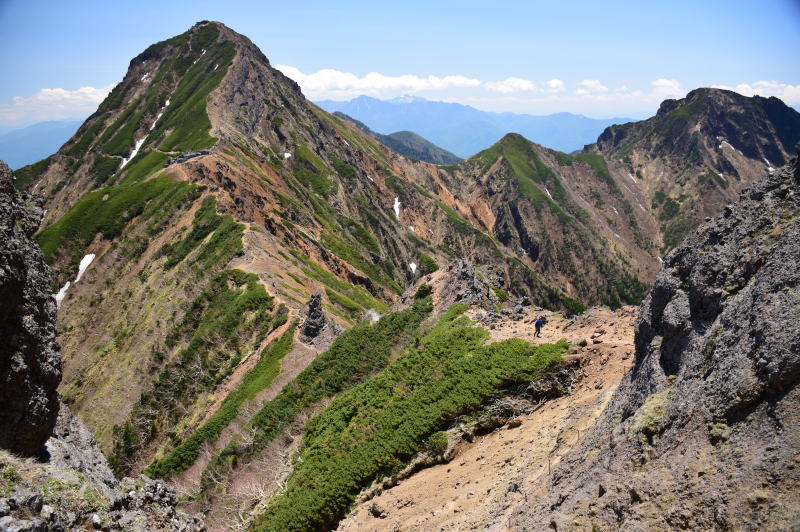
{"points": [[490, 476]]}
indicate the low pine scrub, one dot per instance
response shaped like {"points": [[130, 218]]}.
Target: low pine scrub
{"points": [[373, 429], [255, 380], [354, 356]]}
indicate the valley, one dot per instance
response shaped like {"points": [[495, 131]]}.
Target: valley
{"points": [[292, 322]]}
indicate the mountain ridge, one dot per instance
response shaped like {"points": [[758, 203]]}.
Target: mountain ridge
{"points": [[465, 130], [207, 200]]}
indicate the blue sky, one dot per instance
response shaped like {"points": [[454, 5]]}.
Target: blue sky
{"points": [[600, 59]]}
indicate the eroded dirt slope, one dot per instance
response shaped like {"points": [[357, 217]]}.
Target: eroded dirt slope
{"points": [[488, 477]]}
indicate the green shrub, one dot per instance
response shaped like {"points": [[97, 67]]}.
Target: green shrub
{"points": [[26, 174], [354, 356], [427, 264], [423, 291], [92, 214], [103, 168], [256, 379], [343, 301], [374, 428], [437, 442], [225, 244], [232, 313]]}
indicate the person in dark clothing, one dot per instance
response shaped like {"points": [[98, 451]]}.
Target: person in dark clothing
{"points": [[538, 324]]}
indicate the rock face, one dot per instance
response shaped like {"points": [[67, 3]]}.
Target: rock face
{"points": [[704, 431], [317, 329], [30, 362], [74, 447]]}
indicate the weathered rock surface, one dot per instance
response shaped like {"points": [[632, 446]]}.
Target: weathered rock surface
{"points": [[704, 432], [30, 363], [317, 329], [73, 446]]}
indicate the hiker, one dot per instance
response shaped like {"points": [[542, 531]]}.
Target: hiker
{"points": [[538, 324]]}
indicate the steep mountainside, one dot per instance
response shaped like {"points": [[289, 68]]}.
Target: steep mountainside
{"points": [[407, 143], [194, 215], [703, 432], [69, 484], [698, 153], [201, 206], [465, 130]]}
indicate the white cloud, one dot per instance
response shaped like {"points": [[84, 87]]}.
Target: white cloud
{"points": [[512, 85], [329, 83], [555, 85], [590, 86], [53, 104], [790, 94]]}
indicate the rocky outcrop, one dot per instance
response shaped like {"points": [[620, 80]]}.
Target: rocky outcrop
{"points": [[704, 431], [317, 329], [44, 497], [73, 446], [30, 362], [462, 284]]}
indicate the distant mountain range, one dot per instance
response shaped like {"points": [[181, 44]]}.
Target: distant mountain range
{"points": [[407, 143], [465, 130], [30, 144]]}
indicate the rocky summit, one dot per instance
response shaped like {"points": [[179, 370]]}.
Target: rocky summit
{"points": [[273, 318]]}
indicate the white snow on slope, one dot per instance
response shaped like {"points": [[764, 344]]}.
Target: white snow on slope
{"points": [[62, 293], [133, 153], [722, 177], [145, 76], [632, 178], [411, 227], [413, 267], [615, 211], [216, 67], [85, 262], [373, 315], [396, 207], [548, 192], [286, 155]]}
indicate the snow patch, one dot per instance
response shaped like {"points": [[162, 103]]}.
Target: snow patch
{"points": [[659, 259], [216, 67], [368, 177], [286, 155], [166, 104], [411, 228], [373, 315], [396, 207], [85, 262], [632, 178], [616, 235], [722, 177], [413, 267], [156, 121], [145, 76], [615, 211], [133, 153], [548, 192], [201, 55], [62, 293]]}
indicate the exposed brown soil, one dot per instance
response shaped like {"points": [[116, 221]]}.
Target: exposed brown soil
{"points": [[490, 476]]}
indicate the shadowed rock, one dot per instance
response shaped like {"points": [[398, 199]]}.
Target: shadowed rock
{"points": [[30, 361]]}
